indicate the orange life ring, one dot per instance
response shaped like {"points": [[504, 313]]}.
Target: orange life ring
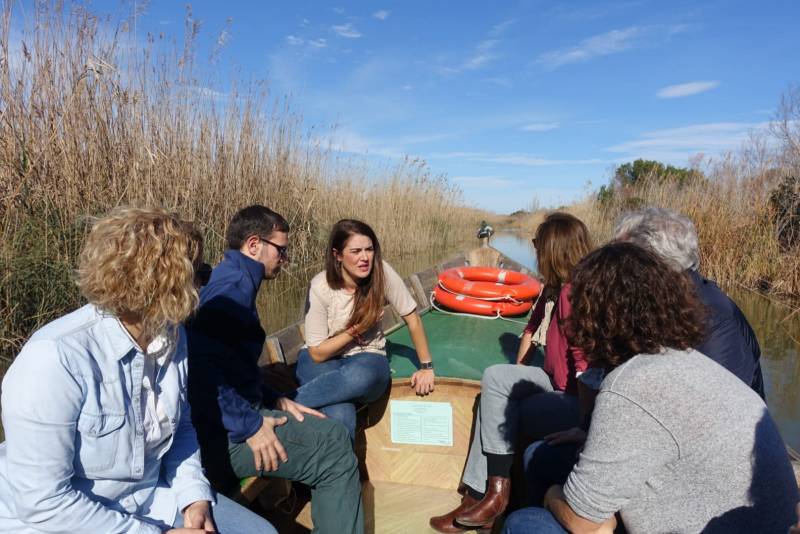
{"points": [[492, 308], [490, 282]]}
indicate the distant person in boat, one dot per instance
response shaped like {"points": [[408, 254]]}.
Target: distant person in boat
{"points": [[246, 429], [729, 338], [522, 398], [485, 231], [344, 360], [677, 443], [98, 432]]}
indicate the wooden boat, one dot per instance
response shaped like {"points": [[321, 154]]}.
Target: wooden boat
{"points": [[404, 484]]}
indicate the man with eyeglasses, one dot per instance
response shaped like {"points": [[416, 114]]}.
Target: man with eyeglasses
{"points": [[243, 427]]}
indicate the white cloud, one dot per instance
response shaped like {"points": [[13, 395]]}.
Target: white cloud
{"points": [[523, 160], [501, 27], [483, 55], [294, 41], [686, 89], [347, 30], [598, 45], [208, 94], [381, 15], [354, 143], [612, 42], [676, 145], [408, 87], [540, 126], [318, 43], [481, 182]]}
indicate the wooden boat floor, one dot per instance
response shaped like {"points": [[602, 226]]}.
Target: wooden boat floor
{"points": [[462, 347], [392, 508]]}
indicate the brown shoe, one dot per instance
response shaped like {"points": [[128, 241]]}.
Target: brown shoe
{"points": [[444, 523], [498, 490]]}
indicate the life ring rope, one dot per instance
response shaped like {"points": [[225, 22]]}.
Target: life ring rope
{"points": [[502, 298], [488, 318]]}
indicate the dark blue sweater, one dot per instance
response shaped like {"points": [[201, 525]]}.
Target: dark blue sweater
{"points": [[730, 340], [225, 340]]}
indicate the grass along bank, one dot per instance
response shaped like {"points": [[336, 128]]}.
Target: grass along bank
{"points": [[91, 119]]}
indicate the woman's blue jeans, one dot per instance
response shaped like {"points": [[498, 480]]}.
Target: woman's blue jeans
{"points": [[233, 518], [335, 385], [532, 520]]}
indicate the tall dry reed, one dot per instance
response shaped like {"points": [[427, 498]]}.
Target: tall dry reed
{"points": [[89, 120]]}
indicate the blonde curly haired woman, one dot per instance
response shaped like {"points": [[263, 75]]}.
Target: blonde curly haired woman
{"points": [[98, 431]]}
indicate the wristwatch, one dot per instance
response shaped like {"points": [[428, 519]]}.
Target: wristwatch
{"points": [[426, 365]]}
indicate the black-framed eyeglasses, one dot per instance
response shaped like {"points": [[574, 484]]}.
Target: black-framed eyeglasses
{"points": [[283, 250], [203, 274]]}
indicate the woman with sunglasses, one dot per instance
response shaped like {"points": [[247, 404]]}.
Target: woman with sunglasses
{"points": [[538, 401], [345, 357], [98, 431]]}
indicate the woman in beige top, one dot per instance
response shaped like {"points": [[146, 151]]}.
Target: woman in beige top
{"points": [[345, 357]]}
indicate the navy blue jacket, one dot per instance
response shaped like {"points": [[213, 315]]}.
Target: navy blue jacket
{"points": [[225, 340], [730, 341]]}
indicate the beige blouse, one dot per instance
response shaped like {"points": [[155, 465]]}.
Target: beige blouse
{"points": [[328, 311]]}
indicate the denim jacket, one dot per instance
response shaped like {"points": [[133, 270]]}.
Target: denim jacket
{"points": [[74, 457]]}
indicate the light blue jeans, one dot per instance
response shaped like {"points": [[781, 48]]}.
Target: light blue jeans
{"points": [[335, 385], [232, 518]]}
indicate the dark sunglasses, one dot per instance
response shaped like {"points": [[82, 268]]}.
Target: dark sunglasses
{"points": [[283, 251], [203, 273]]}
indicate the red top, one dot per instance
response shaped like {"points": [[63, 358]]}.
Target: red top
{"points": [[561, 361]]}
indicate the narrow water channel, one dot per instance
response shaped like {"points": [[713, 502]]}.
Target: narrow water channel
{"points": [[777, 329]]}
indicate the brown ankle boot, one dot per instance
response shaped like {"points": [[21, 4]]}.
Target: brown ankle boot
{"points": [[498, 490], [444, 523]]}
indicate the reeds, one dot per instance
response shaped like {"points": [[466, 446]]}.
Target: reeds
{"points": [[89, 120]]}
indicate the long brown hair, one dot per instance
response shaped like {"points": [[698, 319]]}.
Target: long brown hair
{"points": [[561, 241], [626, 301], [369, 298]]}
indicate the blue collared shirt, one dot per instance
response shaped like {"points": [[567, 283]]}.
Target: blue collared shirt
{"points": [[225, 343], [74, 457]]}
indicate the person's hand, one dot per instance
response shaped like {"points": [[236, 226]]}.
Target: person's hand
{"points": [[198, 516], [267, 449], [296, 409], [574, 435], [422, 381]]}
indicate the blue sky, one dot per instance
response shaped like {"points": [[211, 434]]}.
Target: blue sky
{"points": [[518, 100]]}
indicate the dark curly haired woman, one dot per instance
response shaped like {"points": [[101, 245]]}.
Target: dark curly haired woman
{"points": [[677, 443]]}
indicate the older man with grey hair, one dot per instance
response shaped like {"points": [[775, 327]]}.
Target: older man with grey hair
{"points": [[730, 340]]}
